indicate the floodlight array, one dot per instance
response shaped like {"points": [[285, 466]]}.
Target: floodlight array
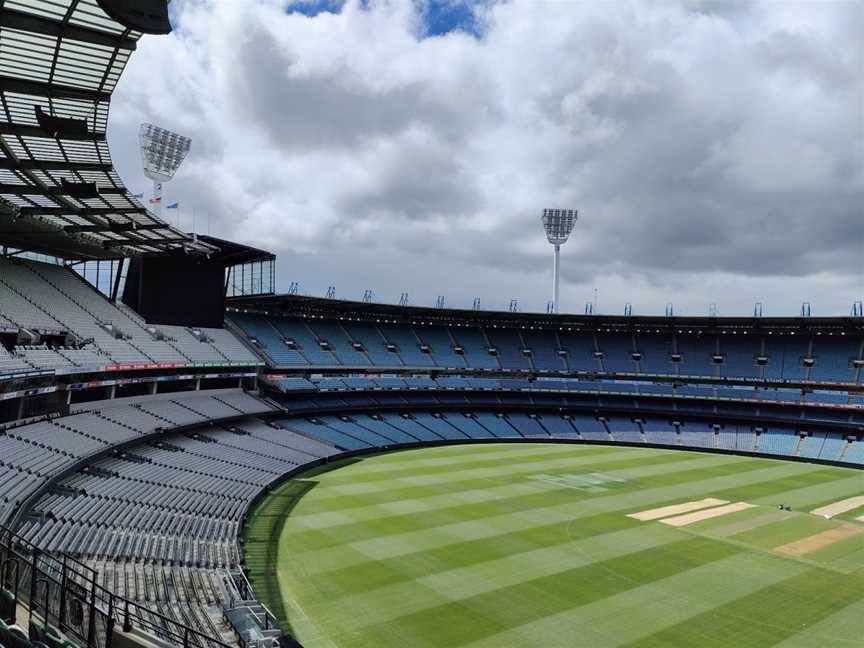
{"points": [[558, 224], [162, 151]]}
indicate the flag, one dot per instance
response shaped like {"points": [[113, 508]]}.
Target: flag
{"points": [[172, 206], [156, 200]]}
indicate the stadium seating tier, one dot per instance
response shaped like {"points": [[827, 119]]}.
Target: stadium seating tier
{"points": [[493, 348]]}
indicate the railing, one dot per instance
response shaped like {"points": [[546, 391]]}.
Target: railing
{"points": [[64, 593], [246, 596]]}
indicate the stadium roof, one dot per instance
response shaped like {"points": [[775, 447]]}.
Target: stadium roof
{"points": [[60, 61], [231, 253], [303, 306]]}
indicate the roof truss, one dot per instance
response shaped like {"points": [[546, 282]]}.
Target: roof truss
{"points": [[63, 58], [12, 19]]}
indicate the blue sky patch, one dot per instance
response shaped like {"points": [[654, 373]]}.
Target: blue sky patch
{"points": [[444, 16], [439, 16], [312, 8]]}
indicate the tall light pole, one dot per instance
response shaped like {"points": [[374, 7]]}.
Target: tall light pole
{"points": [[162, 153], [558, 224]]}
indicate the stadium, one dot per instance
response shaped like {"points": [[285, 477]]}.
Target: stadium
{"points": [[190, 458]]}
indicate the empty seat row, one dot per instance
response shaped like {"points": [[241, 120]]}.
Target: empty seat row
{"points": [[31, 454], [179, 500], [291, 342], [44, 299]]}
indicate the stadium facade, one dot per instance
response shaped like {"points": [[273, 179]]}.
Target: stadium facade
{"points": [[143, 412]]}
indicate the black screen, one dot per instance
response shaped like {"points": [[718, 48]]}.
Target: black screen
{"points": [[179, 289]]}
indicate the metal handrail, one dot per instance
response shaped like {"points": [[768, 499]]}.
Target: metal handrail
{"points": [[61, 573], [248, 594]]}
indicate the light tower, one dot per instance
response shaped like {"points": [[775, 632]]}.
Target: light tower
{"points": [[558, 224], [162, 153]]}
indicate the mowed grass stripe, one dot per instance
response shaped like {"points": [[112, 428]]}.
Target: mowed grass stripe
{"points": [[766, 617], [557, 461], [415, 505], [479, 573], [470, 553], [776, 492], [843, 629], [339, 521], [407, 561], [367, 472], [349, 495], [649, 608], [772, 529], [400, 464], [445, 451], [327, 500], [389, 546], [807, 497], [443, 550], [846, 554], [642, 479], [499, 468], [740, 522], [495, 493], [471, 619], [779, 533], [431, 572], [440, 455], [852, 516]]}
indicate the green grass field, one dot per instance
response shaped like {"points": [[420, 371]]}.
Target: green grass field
{"points": [[530, 545]]}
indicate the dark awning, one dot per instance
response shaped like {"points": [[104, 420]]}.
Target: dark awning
{"points": [[231, 253]]}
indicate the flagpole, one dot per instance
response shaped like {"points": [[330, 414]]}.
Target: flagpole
{"points": [[157, 197]]}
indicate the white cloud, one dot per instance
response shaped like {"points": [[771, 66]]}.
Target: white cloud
{"points": [[715, 150]]}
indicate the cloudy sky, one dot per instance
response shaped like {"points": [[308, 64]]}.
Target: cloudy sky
{"points": [[715, 150]]}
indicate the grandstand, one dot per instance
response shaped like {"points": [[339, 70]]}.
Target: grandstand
{"points": [[140, 425], [783, 350]]}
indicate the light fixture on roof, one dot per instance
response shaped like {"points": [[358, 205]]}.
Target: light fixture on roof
{"points": [[558, 224], [162, 153]]}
